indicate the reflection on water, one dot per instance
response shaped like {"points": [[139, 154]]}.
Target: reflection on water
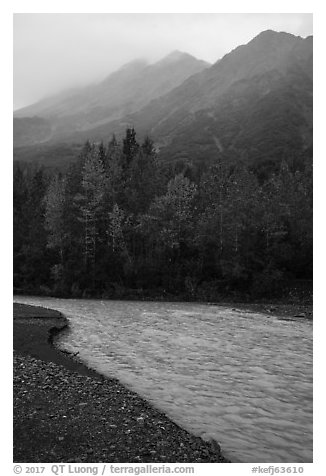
{"points": [[240, 378]]}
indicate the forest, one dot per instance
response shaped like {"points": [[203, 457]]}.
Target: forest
{"points": [[120, 223]]}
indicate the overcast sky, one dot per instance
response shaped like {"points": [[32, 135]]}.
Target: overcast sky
{"points": [[53, 51]]}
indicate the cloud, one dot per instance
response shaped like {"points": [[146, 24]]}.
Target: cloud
{"points": [[57, 51]]}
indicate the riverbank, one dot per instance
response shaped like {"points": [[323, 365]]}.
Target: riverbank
{"points": [[283, 310], [65, 412], [295, 292], [288, 309]]}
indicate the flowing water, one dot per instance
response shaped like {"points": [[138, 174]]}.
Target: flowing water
{"points": [[241, 378]]}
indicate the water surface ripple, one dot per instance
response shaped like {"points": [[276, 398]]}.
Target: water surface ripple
{"points": [[241, 378]]}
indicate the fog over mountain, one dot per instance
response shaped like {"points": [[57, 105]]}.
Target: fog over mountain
{"points": [[56, 52], [123, 92], [254, 104]]}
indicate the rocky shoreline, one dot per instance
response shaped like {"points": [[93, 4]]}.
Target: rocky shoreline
{"points": [[66, 412]]}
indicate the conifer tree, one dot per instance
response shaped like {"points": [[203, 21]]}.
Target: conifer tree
{"points": [[130, 145]]}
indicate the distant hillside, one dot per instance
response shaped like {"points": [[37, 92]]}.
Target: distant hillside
{"points": [[253, 105], [127, 90], [31, 130]]}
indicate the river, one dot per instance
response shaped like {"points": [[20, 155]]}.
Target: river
{"points": [[241, 378]]}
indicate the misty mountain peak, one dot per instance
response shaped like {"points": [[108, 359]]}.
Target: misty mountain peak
{"points": [[123, 92], [266, 51], [271, 38], [176, 56], [179, 83], [134, 65]]}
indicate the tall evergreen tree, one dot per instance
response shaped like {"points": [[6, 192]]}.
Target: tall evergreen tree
{"points": [[130, 145]]}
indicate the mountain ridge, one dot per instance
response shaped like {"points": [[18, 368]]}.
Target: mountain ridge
{"points": [[134, 67], [216, 104]]}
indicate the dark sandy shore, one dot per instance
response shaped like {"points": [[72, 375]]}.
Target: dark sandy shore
{"points": [[65, 412]]}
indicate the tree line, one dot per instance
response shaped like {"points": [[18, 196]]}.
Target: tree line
{"points": [[120, 223]]}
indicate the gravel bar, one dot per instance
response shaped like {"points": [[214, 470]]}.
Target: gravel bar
{"points": [[66, 412]]}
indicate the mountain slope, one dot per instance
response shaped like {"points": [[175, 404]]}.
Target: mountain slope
{"points": [[265, 116], [255, 104], [123, 92], [25, 129]]}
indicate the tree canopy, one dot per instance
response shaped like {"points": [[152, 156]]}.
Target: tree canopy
{"points": [[120, 223]]}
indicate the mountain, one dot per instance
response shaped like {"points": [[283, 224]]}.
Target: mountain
{"points": [[125, 91], [26, 129], [253, 105]]}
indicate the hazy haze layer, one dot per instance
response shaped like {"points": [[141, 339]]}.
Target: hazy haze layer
{"points": [[53, 52]]}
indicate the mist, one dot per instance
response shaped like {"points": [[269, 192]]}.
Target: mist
{"points": [[53, 52]]}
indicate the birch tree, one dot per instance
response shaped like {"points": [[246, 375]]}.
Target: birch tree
{"points": [[54, 214], [90, 202]]}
